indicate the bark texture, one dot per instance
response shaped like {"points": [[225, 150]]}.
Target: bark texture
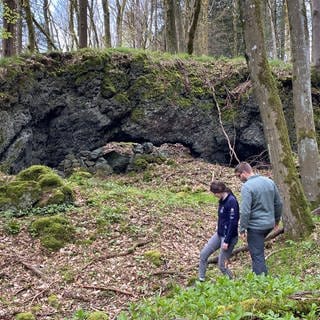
{"points": [[297, 218], [308, 151]]}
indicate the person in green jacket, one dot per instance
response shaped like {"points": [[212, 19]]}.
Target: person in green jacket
{"points": [[260, 213]]}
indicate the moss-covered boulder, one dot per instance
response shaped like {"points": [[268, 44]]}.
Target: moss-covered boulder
{"points": [[36, 186], [98, 315], [54, 232], [25, 316]]}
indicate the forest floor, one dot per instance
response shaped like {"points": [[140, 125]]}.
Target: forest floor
{"points": [[137, 236]]}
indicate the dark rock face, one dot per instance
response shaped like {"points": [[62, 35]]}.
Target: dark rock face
{"points": [[63, 108]]}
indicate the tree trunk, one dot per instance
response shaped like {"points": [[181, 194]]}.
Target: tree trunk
{"points": [[235, 25], [170, 27], [272, 36], [308, 152], [46, 27], [119, 20], [106, 23], [93, 25], [10, 17], [316, 34], [31, 33], [296, 214], [179, 27], [19, 27], [73, 38], [193, 25], [287, 48], [83, 23]]}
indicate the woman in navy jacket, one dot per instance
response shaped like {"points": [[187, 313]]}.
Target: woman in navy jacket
{"points": [[226, 235]]}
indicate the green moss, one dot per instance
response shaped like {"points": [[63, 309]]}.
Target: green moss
{"points": [[154, 256], [306, 134], [50, 180], [25, 316], [12, 227], [108, 89], [137, 115], [184, 102], [33, 173], [53, 301], [54, 232], [122, 98], [21, 194], [98, 315]]}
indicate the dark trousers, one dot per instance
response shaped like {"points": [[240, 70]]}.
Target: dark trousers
{"points": [[256, 248]]}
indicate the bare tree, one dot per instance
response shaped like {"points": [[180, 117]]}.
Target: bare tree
{"points": [[170, 26], [83, 23], [29, 20], [106, 23], [297, 217], [308, 151], [94, 38], [193, 25], [73, 37], [316, 34], [46, 26], [120, 7]]}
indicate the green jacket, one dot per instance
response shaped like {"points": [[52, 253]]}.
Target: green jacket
{"points": [[261, 205]]}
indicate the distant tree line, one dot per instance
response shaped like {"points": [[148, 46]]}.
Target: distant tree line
{"points": [[202, 27]]}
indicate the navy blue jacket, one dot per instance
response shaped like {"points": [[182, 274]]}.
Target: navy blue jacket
{"points": [[228, 218]]}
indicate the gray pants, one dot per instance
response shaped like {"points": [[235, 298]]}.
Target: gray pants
{"points": [[256, 248], [213, 245]]}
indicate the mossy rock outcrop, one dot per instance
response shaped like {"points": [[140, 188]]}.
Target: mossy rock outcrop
{"points": [[36, 186], [54, 232]]}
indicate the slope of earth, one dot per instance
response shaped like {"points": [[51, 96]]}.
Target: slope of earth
{"points": [[137, 235]]}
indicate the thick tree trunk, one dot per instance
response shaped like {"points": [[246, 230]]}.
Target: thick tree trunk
{"points": [[308, 152], [316, 34], [9, 47], [297, 219], [83, 23], [193, 25], [170, 27]]}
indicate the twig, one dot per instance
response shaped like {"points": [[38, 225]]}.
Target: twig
{"points": [[232, 151], [40, 293], [108, 289], [306, 295], [114, 255], [30, 267]]}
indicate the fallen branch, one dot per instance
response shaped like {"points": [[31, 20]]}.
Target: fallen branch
{"points": [[316, 211], [245, 247], [116, 290], [39, 294], [306, 295], [115, 255], [32, 268]]}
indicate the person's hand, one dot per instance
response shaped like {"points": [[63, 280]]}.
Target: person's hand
{"points": [[225, 246], [243, 236]]}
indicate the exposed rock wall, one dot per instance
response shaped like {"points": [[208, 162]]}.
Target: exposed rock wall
{"points": [[59, 105]]}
